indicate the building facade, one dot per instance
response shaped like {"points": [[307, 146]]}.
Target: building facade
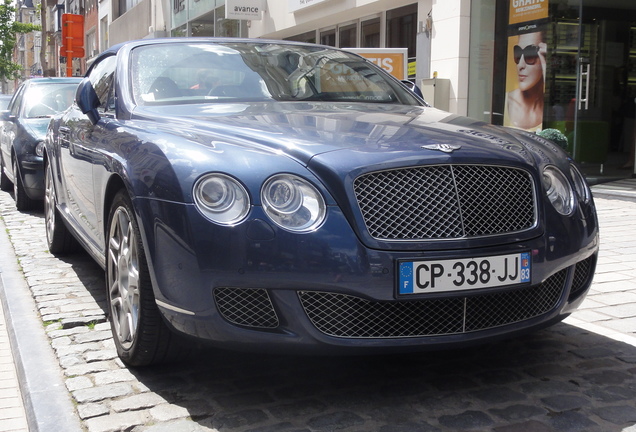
{"points": [[568, 65]]}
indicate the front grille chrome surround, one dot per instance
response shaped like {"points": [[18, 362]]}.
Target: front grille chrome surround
{"points": [[446, 202], [347, 316]]}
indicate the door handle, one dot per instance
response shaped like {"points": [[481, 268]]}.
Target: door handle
{"points": [[584, 89]]}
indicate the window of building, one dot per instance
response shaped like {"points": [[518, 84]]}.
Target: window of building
{"points": [[348, 34], [181, 31], [212, 24], [370, 33], [203, 26], [91, 44], [126, 5], [103, 34], [401, 28], [225, 27], [328, 37]]}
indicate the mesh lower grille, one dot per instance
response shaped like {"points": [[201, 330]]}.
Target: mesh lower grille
{"points": [[582, 276], [346, 316], [246, 307], [446, 202]]}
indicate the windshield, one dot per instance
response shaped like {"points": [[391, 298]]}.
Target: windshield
{"points": [[45, 100], [212, 72]]}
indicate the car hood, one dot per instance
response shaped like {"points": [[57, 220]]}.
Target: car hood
{"points": [[330, 134], [36, 127]]}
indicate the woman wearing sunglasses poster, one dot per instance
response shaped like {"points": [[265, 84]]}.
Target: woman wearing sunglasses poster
{"points": [[524, 103]]}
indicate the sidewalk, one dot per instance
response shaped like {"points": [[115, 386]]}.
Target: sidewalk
{"points": [[621, 189], [31, 385], [12, 413]]}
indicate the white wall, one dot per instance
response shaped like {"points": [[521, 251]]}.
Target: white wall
{"points": [[450, 49]]}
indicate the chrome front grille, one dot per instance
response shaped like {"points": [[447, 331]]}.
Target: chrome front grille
{"points": [[347, 316], [446, 202], [246, 307]]}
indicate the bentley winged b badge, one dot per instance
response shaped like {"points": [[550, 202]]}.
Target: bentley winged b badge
{"points": [[446, 148]]}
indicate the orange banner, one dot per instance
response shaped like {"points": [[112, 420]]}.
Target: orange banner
{"points": [[392, 60], [527, 10]]}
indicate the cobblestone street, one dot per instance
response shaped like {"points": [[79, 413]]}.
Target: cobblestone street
{"points": [[579, 375]]}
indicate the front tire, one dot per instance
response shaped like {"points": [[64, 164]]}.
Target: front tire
{"points": [[22, 200], [141, 336], [58, 238]]}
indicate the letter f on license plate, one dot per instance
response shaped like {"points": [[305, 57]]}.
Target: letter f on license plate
{"points": [[421, 277]]}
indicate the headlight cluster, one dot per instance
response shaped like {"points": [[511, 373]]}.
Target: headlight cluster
{"points": [[221, 199], [559, 190], [39, 148], [289, 201], [293, 203], [580, 185]]}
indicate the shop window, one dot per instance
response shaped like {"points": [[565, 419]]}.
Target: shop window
{"points": [[180, 31], [203, 27], [328, 37], [370, 33], [348, 36], [401, 28]]}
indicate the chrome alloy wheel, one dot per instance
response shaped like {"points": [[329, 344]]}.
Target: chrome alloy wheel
{"points": [[123, 277], [49, 204]]}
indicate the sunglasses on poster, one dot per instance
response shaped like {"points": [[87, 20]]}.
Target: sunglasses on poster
{"points": [[529, 53]]}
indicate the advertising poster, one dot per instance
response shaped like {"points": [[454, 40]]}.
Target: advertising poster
{"points": [[526, 64], [392, 60]]}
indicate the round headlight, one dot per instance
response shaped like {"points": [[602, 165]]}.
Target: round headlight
{"points": [[293, 203], [221, 199], [39, 148], [558, 190], [580, 185]]}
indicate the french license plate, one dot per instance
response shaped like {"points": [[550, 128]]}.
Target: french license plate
{"points": [[423, 277]]}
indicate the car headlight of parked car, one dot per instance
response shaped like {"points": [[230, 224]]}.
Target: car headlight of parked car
{"points": [[293, 203], [558, 190], [39, 148], [221, 199], [580, 185]]}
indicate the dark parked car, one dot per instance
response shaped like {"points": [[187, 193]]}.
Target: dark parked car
{"points": [[23, 126], [292, 197], [4, 101]]}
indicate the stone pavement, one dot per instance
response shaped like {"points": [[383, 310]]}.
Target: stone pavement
{"points": [[579, 375]]}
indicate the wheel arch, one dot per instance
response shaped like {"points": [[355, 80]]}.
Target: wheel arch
{"points": [[114, 185]]}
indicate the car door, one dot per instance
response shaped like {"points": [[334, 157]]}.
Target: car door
{"points": [[80, 144]]}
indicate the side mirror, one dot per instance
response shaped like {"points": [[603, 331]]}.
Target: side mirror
{"points": [[87, 100], [4, 115], [413, 88]]}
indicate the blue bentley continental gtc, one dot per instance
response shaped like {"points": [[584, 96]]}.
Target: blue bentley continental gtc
{"points": [[278, 196]]}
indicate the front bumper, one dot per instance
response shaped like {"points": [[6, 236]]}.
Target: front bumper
{"points": [[32, 174], [256, 287]]}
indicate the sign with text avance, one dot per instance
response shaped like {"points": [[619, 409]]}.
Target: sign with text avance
{"points": [[243, 9]]}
